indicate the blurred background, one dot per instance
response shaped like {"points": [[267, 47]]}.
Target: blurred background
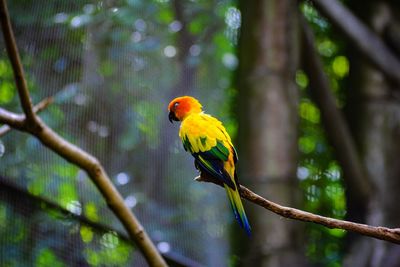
{"points": [[112, 67]]}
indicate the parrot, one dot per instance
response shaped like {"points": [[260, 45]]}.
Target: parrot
{"points": [[209, 143]]}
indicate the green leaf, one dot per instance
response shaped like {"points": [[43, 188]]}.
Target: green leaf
{"points": [[116, 255], [67, 193], [90, 212], [36, 186], [165, 15], [86, 234], [337, 232], [307, 144], [301, 79], [340, 66], [309, 111], [326, 47], [47, 258], [110, 240], [5, 69], [7, 90]]}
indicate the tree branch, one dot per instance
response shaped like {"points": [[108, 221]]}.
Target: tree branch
{"points": [[12, 119], [367, 42], [332, 119], [34, 125], [92, 166], [383, 233], [392, 35], [13, 54], [37, 108]]}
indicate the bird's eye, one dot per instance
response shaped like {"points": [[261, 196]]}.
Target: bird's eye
{"points": [[176, 105]]}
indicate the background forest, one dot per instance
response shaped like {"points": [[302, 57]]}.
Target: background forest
{"points": [[112, 66]]}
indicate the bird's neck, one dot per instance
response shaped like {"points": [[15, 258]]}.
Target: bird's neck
{"points": [[190, 114]]}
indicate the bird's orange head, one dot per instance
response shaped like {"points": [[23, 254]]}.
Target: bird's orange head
{"points": [[181, 107]]}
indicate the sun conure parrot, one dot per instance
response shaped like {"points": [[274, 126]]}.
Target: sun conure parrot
{"points": [[207, 140]]}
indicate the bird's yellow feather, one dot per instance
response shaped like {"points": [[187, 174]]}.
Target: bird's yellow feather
{"points": [[203, 131]]}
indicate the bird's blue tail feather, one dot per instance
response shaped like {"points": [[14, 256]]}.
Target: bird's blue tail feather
{"points": [[238, 210]]}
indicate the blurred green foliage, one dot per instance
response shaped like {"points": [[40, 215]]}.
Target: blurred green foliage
{"points": [[112, 67], [33, 234], [319, 173], [47, 258]]}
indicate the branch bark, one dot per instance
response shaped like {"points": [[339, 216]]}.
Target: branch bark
{"points": [[11, 119], [362, 37], [92, 166], [378, 232], [333, 120], [15, 59], [36, 109], [32, 124]]}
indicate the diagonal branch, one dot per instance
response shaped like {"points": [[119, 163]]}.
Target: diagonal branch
{"points": [[37, 108], [35, 126], [92, 166], [367, 42], [383, 233], [15, 59], [333, 121]]}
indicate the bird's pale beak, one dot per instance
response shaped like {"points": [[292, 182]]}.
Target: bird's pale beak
{"points": [[172, 117]]}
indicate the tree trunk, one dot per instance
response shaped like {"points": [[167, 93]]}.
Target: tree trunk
{"points": [[268, 126], [376, 121]]}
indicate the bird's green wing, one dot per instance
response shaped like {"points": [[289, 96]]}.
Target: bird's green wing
{"points": [[206, 139]]}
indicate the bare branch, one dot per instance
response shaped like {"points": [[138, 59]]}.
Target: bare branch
{"points": [[100, 178], [34, 125], [12, 119], [368, 43], [37, 108], [15, 59], [383, 233], [332, 118], [97, 174]]}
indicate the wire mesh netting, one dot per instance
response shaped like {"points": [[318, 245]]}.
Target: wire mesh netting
{"points": [[112, 67], [36, 232]]}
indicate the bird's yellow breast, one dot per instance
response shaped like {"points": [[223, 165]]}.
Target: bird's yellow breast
{"points": [[203, 131]]}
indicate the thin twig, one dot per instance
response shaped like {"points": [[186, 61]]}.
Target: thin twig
{"points": [[367, 42], [383, 233], [37, 108], [15, 59]]}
